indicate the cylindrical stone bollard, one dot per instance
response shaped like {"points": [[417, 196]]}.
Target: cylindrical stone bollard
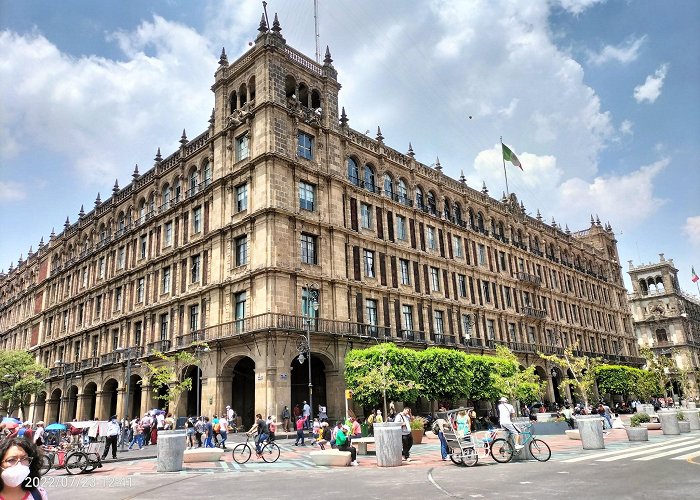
{"points": [[171, 450], [590, 428], [669, 422], [691, 405], [387, 437], [684, 426], [522, 423], [693, 418]]}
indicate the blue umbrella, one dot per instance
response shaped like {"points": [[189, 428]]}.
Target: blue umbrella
{"points": [[56, 427], [11, 420]]}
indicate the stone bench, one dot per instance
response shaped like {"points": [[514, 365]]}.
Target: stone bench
{"points": [[361, 444], [332, 458], [203, 455], [573, 434]]}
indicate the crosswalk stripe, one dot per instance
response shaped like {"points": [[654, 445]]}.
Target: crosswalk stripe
{"points": [[614, 452], [689, 455], [658, 448], [672, 452]]}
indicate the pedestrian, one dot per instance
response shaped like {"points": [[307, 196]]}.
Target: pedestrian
{"points": [[296, 412], [505, 413], [406, 437], [169, 423], [223, 432], [39, 433], [215, 425], [315, 430], [306, 413], [137, 431], [322, 413], [334, 432], [379, 419], [146, 423], [208, 433], [189, 432], [300, 431], [285, 419], [440, 425], [356, 428], [198, 431], [229, 413], [112, 437], [324, 435], [272, 428], [342, 441]]}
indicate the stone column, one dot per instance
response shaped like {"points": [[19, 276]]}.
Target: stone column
{"points": [[102, 405], [83, 401], [669, 422], [550, 387], [145, 399]]}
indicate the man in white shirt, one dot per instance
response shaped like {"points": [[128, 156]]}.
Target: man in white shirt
{"points": [[404, 419], [505, 412], [113, 431], [307, 415]]}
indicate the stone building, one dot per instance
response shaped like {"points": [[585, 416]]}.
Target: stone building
{"points": [[667, 320], [279, 205]]}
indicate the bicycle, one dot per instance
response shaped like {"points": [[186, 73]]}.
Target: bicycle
{"points": [[269, 452], [502, 450]]}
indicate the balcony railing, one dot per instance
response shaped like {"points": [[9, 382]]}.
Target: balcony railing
{"points": [[529, 278], [413, 335], [441, 339], [109, 359], [88, 363], [534, 313], [159, 346], [189, 338]]}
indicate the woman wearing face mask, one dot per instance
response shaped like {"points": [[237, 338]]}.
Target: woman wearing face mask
{"points": [[19, 463]]}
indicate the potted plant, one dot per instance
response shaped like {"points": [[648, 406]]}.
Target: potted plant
{"points": [[635, 432], [417, 429], [683, 423]]}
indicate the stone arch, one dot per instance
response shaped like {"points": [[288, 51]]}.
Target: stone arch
{"points": [[369, 177], [159, 396], [108, 406], [303, 94], [233, 101], [238, 387], [188, 402], [55, 405], [251, 89], [133, 409], [388, 184], [40, 407], [353, 171], [71, 404], [290, 86], [315, 99], [432, 202], [89, 401], [242, 95]]}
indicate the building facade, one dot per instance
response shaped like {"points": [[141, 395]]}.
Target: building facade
{"points": [[668, 321], [277, 206]]}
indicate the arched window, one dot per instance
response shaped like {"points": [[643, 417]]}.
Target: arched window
{"points": [[471, 218], [369, 178], [233, 101], [304, 94], [207, 173], [402, 191], [243, 94], [536, 244], [432, 205], [177, 192], [419, 197], [661, 335], [166, 197], [501, 231], [121, 222], [388, 185], [251, 89], [142, 210], [353, 172], [480, 221], [290, 87], [446, 209], [315, 99], [458, 213], [194, 182]]}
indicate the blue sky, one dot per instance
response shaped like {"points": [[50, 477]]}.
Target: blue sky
{"points": [[599, 99]]}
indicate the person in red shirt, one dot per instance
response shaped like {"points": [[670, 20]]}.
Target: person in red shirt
{"points": [[300, 430]]}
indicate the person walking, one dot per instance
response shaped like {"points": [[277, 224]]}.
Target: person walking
{"points": [[39, 433], [406, 437], [137, 431], [300, 431], [285, 419], [209, 433], [306, 413], [223, 432], [189, 431], [146, 423], [112, 437], [440, 425]]}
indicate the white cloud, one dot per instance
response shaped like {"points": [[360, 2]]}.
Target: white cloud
{"points": [[102, 115], [578, 6], [624, 53], [650, 90], [626, 127], [11, 191], [692, 230], [629, 198]]}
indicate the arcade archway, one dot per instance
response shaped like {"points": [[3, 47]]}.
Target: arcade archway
{"points": [[300, 382], [109, 399], [90, 401]]}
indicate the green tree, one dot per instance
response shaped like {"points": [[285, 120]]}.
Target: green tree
{"points": [[20, 379], [168, 375], [509, 380], [444, 374], [663, 367], [616, 379], [647, 385], [582, 369], [382, 368]]}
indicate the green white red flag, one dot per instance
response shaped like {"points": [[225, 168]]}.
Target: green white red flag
{"points": [[508, 155], [694, 278]]}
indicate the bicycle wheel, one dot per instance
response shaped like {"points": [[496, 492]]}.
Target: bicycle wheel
{"points": [[540, 450], [270, 452], [241, 453], [501, 451], [76, 463], [46, 462], [455, 456], [470, 457]]}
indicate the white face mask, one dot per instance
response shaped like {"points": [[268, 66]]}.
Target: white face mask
{"points": [[13, 476]]}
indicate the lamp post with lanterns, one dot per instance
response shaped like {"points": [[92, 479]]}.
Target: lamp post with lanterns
{"points": [[304, 345]]}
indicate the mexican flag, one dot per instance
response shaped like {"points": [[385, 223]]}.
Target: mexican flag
{"points": [[694, 278], [508, 155]]}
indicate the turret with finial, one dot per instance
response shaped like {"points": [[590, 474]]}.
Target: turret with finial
{"points": [[410, 151], [438, 167], [380, 137], [136, 174], [115, 188], [462, 179], [183, 138], [484, 189], [98, 201], [223, 60], [343, 118], [81, 214]]}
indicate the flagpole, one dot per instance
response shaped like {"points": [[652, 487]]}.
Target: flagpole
{"points": [[504, 168]]}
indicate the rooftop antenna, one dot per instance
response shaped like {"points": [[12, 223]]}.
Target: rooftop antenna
{"points": [[267, 20], [318, 50]]}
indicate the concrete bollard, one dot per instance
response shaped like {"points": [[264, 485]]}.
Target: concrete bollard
{"points": [[693, 418], [669, 422], [590, 427], [171, 450], [387, 437]]}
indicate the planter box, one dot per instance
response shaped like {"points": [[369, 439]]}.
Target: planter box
{"points": [[637, 433], [652, 426], [549, 428], [417, 436]]}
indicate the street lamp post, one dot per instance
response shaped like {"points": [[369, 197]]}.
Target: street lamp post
{"points": [[197, 351], [311, 302]]}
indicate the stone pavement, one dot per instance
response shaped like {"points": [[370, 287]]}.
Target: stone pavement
{"points": [[427, 454]]}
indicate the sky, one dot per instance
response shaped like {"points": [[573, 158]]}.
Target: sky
{"points": [[600, 101]]}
